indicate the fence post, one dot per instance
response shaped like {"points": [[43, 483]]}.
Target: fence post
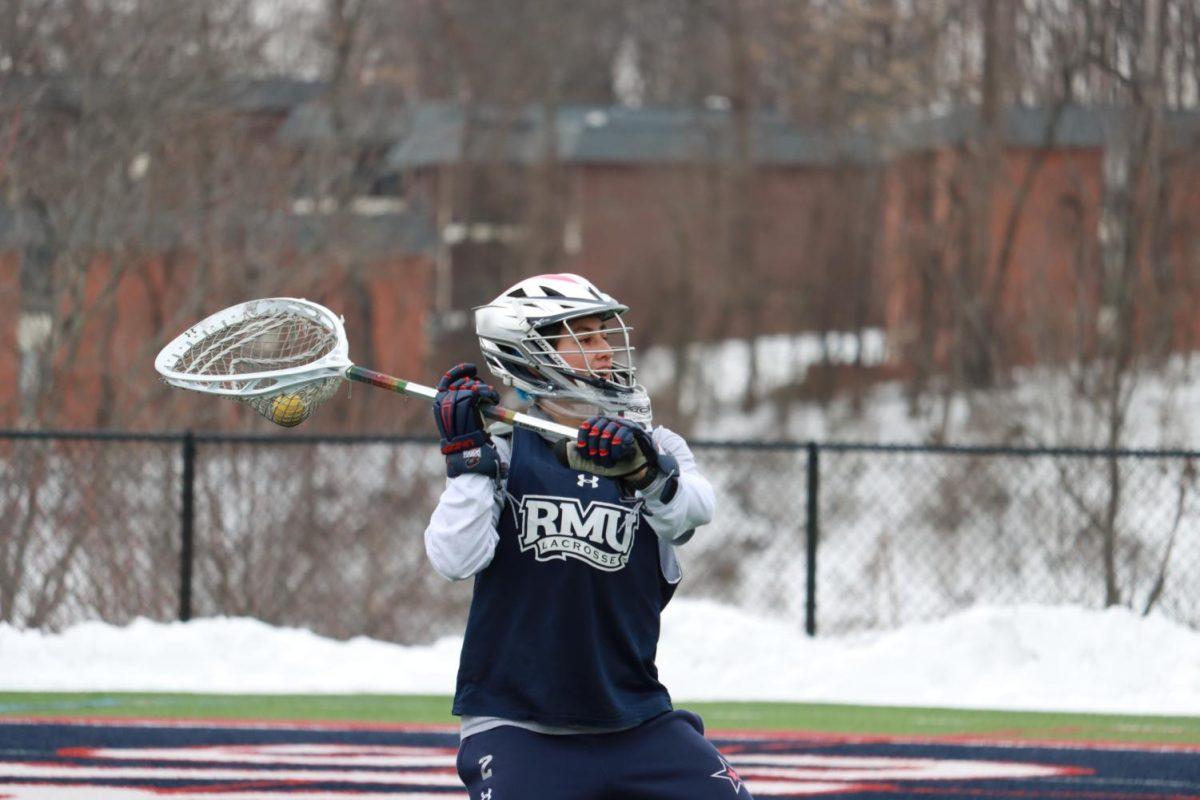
{"points": [[187, 520], [810, 539]]}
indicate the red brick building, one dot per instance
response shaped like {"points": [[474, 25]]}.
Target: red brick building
{"points": [[768, 228], [87, 316], [735, 231], [707, 227], [1043, 275]]}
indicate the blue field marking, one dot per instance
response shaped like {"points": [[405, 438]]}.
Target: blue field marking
{"points": [[129, 760]]}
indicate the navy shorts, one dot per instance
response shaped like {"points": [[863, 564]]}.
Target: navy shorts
{"points": [[665, 758]]}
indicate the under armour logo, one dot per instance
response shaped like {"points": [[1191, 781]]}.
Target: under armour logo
{"points": [[586, 480]]}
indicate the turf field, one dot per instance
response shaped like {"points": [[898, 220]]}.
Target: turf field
{"points": [[111, 746], [842, 719]]}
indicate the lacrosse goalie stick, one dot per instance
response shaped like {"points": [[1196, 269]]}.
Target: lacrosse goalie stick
{"points": [[284, 357]]}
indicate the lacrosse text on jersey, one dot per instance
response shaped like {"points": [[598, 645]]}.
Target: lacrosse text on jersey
{"points": [[557, 528]]}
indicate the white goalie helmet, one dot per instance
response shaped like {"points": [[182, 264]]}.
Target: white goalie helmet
{"points": [[525, 332]]}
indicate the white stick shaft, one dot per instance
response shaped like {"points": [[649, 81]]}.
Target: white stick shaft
{"points": [[499, 413]]}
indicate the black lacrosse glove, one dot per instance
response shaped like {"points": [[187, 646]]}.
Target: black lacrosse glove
{"points": [[465, 443], [617, 448]]}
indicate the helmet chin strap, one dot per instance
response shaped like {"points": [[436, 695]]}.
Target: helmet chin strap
{"points": [[573, 412], [568, 412], [639, 410]]}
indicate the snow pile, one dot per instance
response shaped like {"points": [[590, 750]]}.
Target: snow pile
{"points": [[1025, 657], [220, 655], [1020, 658]]}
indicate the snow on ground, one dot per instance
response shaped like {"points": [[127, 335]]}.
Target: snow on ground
{"points": [[1023, 657], [1038, 406], [779, 360]]}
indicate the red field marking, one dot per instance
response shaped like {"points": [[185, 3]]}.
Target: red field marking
{"points": [[727, 734], [1047, 793], [966, 740], [236, 724], [271, 769], [257, 760]]}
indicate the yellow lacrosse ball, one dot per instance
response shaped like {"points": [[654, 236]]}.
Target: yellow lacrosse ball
{"points": [[288, 410]]}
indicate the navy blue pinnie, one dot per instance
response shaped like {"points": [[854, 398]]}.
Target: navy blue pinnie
{"points": [[564, 621]]}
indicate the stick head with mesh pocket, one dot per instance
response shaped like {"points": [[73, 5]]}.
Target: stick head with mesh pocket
{"points": [[282, 356]]}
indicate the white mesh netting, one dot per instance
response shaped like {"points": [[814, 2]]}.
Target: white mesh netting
{"points": [[267, 343], [262, 343]]}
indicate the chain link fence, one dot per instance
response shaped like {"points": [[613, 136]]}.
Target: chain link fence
{"points": [[326, 533], [908, 534]]}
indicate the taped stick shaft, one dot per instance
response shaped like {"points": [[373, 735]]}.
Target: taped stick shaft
{"points": [[498, 413], [384, 381]]}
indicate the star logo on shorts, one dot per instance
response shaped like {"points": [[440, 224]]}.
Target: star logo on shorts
{"points": [[728, 773], [588, 480]]}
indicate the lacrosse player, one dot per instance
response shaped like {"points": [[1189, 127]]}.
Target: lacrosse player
{"points": [[572, 548]]}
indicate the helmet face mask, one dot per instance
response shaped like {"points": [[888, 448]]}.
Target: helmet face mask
{"points": [[587, 349], [559, 338]]}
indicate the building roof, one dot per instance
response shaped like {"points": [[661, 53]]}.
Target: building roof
{"points": [[271, 94], [410, 231], [617, 135], [614, 135], [369, 235], [375, 116], [1024, 126], [72, 92]]}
